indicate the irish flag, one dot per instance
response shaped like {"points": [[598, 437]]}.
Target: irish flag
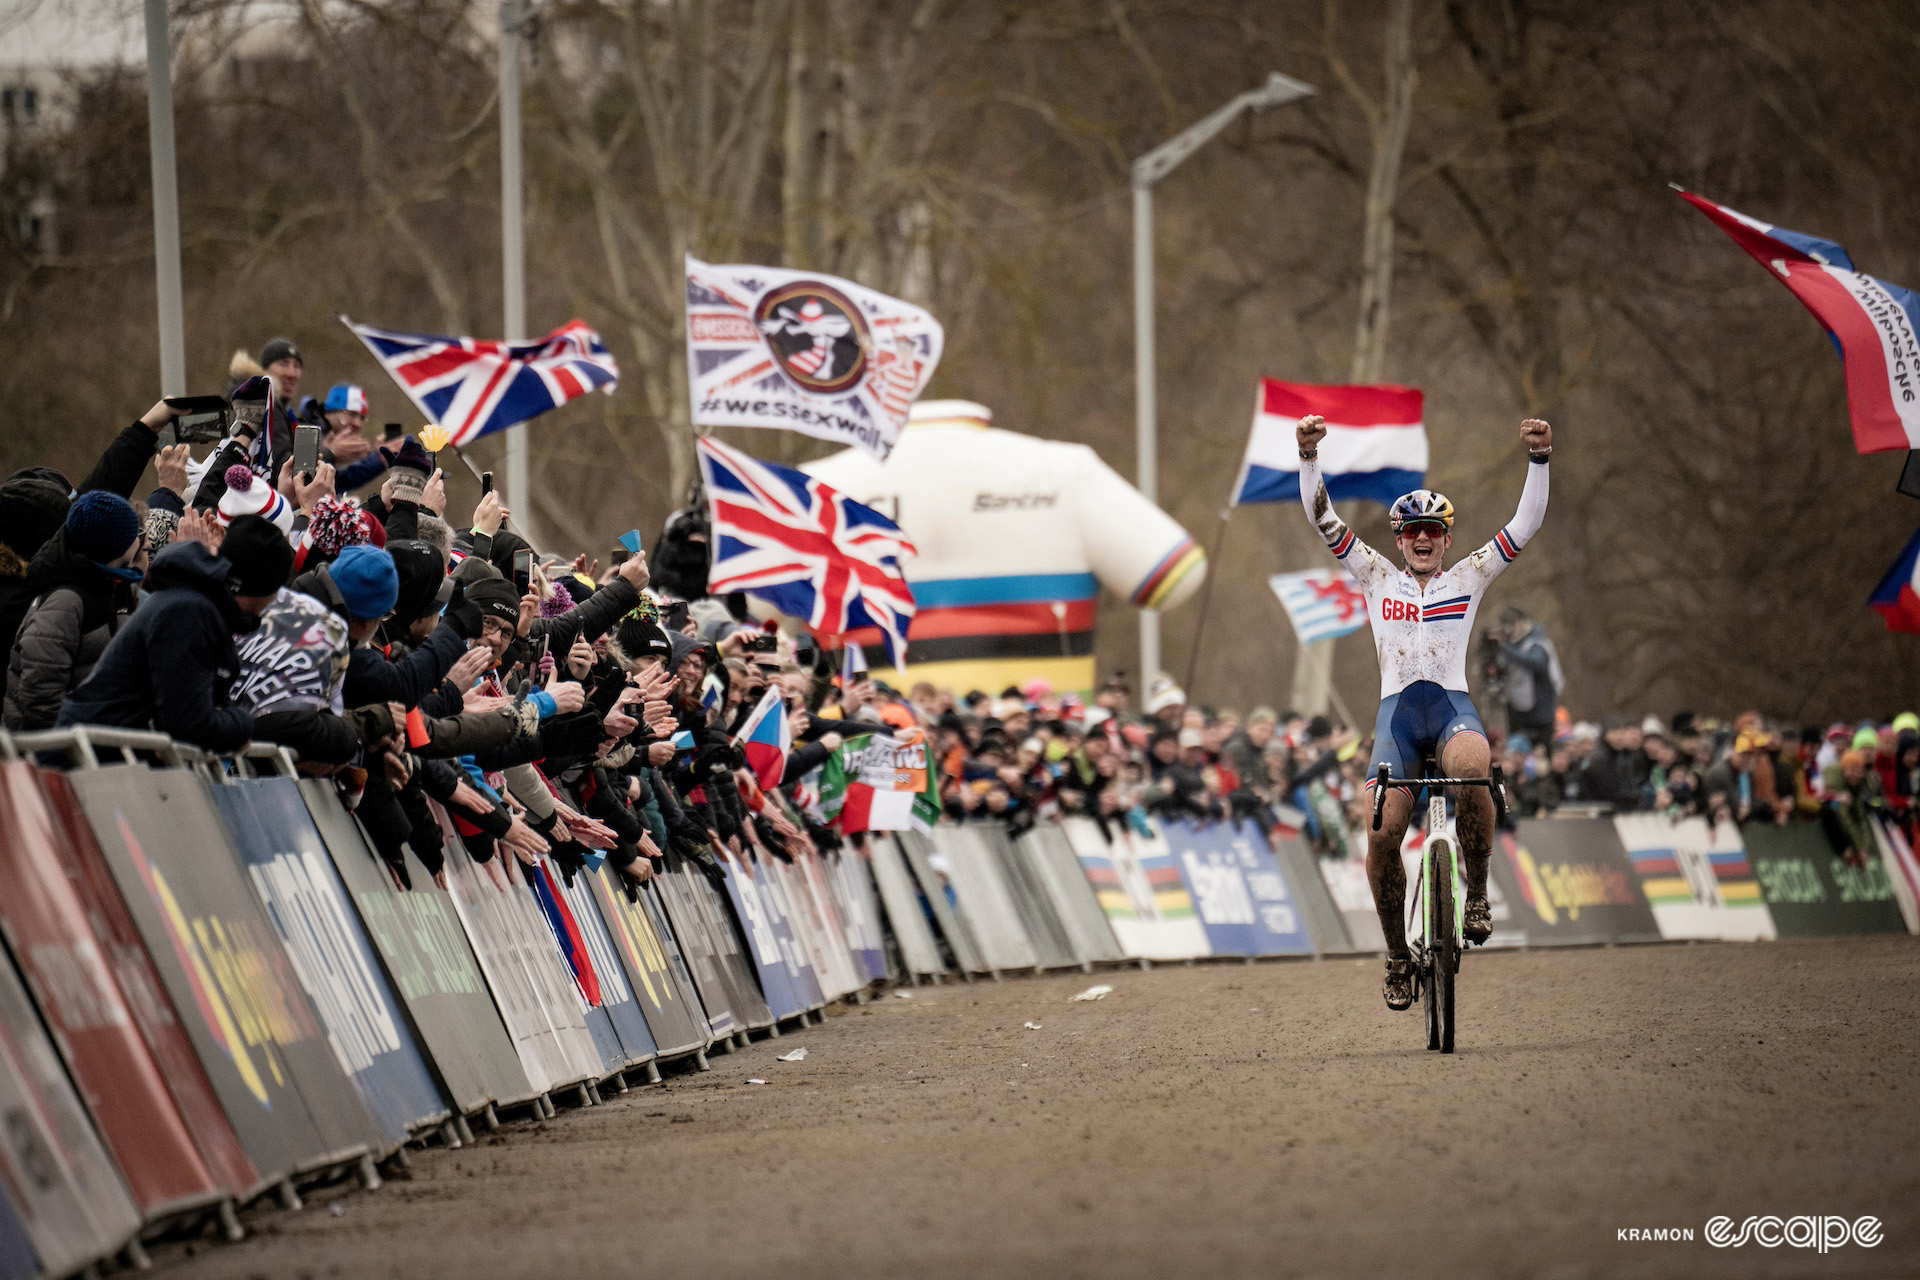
{"points": [[875, 783], [766, 739], [1375, 449]]}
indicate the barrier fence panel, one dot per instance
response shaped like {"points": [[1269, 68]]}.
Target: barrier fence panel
{"points": [[1903, 872], [1352, 895], [1056, 872], [88, 1017], [851, 884], [716, 987], [234, 1167], [906, 914], [940, 896], [1568, 880], [656, 972], [16, 1250], [1038, 920], [982, 896], [1241, 895], [1810, 892], [1140, 889], [764, 943], [617, 996], [1325, 922], [577, 970], [833, 962], [429, 961], [229, 979], [291, 871], [537, 1020], [73, 1204], [798, 946], [1696, 877], [703, 923]]}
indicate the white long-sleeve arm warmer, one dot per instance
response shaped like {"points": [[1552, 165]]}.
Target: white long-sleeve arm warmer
{"points": [[1533, 507], [1319, 509]]}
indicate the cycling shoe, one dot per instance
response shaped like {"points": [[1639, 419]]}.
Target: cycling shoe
{"points": [[1399, 985], [1477, 924]]}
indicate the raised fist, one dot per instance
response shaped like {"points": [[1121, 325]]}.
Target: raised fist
{"points": [[1538, 435], [1310, 432]]}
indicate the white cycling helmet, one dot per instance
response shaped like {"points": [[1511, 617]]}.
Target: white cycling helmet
{"points": [[1421, 504]]}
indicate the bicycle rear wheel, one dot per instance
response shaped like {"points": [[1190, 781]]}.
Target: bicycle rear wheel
{"points": [[1444, 947]]}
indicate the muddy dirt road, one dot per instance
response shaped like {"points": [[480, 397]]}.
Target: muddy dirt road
{"points": [[1218, 1120]]}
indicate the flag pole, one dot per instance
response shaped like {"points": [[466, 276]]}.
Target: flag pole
{"points": [[1206, 595]]}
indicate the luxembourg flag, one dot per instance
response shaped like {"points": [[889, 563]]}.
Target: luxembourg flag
{"points": [[1897, 598], [1375, 448], [1322, 604], [767, 739], [1873, 323]]}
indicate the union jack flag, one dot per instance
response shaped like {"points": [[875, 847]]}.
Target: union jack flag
{"points": [[474, 388], [783, 536]]}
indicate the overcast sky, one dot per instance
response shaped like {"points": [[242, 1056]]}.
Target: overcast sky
{"points": [[71, 32]]}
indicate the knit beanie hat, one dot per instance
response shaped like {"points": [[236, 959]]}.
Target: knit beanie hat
{"points": [[412, 467], [249, 495], [496, 599], [101, 526], [559, 601], [260, 554], [368, 582], [335, 526], [423, 578], [344, 397], [31, 511], [279, 349], [638, 638]]}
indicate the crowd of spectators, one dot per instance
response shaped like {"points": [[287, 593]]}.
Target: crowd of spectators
{"points": [[1028, 753], [557, 709]]}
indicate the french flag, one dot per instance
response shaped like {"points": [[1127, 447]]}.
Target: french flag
{"points": [[767, 739], [1375, 448], [1897, 598], [1873, 323]]}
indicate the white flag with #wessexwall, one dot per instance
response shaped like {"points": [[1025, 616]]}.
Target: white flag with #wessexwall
{"points": [[805, 352]]}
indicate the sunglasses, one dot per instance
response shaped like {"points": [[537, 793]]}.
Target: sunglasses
{"points": [[1432, 528]]}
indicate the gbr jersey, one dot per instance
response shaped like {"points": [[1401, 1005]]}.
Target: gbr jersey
{"points": [[1423, 633]]}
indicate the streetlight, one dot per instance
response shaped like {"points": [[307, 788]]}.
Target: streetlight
{"points": [[1147, 170], [515, 15], [166, 201]]}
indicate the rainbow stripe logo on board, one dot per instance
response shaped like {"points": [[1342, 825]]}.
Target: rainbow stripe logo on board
{"points": [[1805, 1231]]}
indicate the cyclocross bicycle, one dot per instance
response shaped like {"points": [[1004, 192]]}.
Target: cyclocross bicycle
{"points": [[1435, 905]]}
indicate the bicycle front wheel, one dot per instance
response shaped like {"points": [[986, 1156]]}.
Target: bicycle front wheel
{"points": [[1445, 946]]}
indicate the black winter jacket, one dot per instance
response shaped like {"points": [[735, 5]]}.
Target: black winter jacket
{"points": [[73, 615], [170, 667]]}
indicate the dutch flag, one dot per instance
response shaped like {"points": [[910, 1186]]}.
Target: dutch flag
{"points": [[1375, 449]]}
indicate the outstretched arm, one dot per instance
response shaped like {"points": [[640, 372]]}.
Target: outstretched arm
{"points": [[1533, 498], [1349, 550]]}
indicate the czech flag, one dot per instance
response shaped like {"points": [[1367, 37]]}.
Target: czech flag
{"points": [[1897, 598], [1873, 323], [767, 739], [1375, 448]]}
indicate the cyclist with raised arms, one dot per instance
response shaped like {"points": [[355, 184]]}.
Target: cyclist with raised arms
{"points": [[1422, 619]]}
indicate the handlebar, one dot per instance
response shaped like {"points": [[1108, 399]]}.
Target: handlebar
{"points": [[1495, 783]]}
